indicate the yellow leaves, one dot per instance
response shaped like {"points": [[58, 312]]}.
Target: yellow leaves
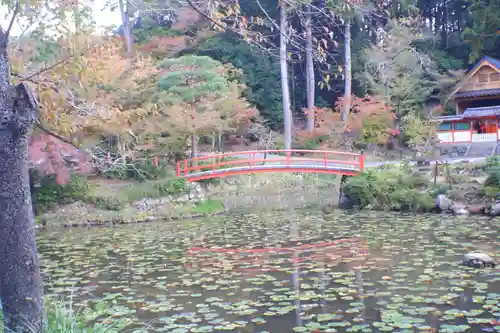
{"points": [[85, 92]]}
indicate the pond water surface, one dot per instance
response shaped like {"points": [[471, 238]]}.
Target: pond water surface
{"points": [[283, 272]]}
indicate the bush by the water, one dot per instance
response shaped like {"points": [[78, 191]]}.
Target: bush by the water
{"points": [[64, 317], [156, 189], [492, 182], [46, 193], [106, 202], [393, 188]]}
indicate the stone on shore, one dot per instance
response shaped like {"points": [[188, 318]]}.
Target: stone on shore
{"points": [[479, 259], [443, 203], [493, 209]]}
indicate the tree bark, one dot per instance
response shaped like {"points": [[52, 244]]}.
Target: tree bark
{"points": [[285, 90], [20, 284], [194, 149], [347, 71], [127, 32], [310, 72]]}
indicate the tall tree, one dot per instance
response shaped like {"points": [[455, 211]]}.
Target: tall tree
{"points": [[483, 35], [396, 69], [347, 11], [127, 30], [311, 81], [199, 97], [347, 69], [287, 111], [20, 283]]}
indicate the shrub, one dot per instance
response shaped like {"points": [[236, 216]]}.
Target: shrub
{"points": [[172, 186], [107, 203], [493, 179], [492, 182], [208, 207], [156, 190], [49, 193], [65, 318], [390, 189]]}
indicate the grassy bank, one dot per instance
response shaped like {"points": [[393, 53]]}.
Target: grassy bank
{"points": [[405, 188], [103, 202], [64, 317]]}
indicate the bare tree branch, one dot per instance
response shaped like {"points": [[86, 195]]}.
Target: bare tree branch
{"points": [[12, 19]]}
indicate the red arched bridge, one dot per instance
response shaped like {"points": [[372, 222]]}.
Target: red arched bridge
{"points": [[278, 160]]}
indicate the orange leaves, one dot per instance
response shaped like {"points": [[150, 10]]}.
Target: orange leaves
{"points": [[324, 121], [165, 45], [371, 118], [86, 89], [327, 128]]}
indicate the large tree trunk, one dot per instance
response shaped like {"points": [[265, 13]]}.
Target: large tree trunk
{"points": [[310, 72], [285, 90], [20, 284], [127, 31], [347, 71]]}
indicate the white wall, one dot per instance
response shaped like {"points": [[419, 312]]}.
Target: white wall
{"points": [[462, 136], [445, 137]]}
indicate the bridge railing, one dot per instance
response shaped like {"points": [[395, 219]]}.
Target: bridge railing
{"points": [[282, 157]]}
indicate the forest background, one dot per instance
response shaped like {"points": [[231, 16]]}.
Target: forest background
{"points": [[178, 77]]}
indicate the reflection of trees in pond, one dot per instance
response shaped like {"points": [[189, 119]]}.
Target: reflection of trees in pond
{"points": [[393, 276], [295, 258], [288, 191], [252, 262]]}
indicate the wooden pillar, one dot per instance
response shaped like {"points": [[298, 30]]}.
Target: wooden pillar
{"points": [[453, 132], [496, 127]]}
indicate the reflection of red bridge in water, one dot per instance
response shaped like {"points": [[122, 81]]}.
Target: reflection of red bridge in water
{"points": [[278, 160], [258, 260]]}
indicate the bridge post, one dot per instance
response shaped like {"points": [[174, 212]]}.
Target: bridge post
{"points": [[343, 179], [361, 161]]}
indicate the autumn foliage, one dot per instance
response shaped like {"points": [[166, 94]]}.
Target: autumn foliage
{"points": [[88, 92], [371, 120]]}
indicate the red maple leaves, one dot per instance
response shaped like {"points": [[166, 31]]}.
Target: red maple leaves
{"points": [[52, 156]]}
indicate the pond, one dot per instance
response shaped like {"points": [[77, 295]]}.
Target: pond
{"points": [[292, 271]]}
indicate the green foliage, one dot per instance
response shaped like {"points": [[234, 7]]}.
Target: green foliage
{"points": [[107, 202], [390, 189], [63, 317], [482, 35], [208, 207], [143, 35], [49, 193], [492, 182], [446, 61], [260, 73], [419, 132], [399, 70], [205, 72], [156, 189], [311, 143], [441, 189]]}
